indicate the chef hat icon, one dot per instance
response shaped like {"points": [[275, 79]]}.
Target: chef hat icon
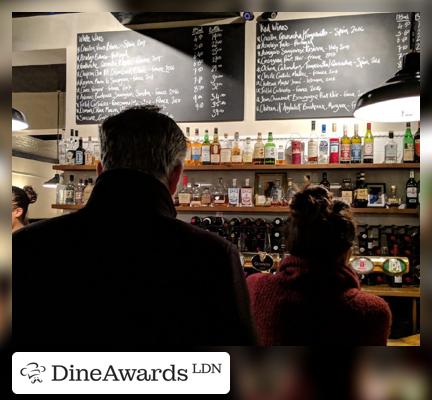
{"points": [[33, 371]]}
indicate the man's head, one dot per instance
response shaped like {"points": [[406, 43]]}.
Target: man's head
{"points": [[143, 139]]}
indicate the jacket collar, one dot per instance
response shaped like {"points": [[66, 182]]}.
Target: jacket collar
{"points": [[120, 188]]}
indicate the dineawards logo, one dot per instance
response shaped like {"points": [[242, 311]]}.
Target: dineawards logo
{"points": [[121, 373]]}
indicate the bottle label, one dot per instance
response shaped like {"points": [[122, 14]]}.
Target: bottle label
{"points": [[361, 194], [215, 158], [233, 196], [226, 155], [246, 197], [312, 149], [79, 157], [70, 157], [237, 158], [345, 152], [205, 153], [296, 152], [323, 151], [391, 152], [408, 152], [184, 198], [347, 196], [368, 150], [69, 195], [196, 153], [260, 200], [269, 152], [206, 199], [411, 192], [281, 155], [356, 149], [334, 151], [247, 157], [417, 148]]}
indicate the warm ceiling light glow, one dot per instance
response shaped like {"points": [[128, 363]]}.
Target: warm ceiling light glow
{"points": [[19, 121]]}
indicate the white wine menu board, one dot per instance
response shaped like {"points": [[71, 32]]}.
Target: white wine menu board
{"points": [[312, 68], [193, 73]]}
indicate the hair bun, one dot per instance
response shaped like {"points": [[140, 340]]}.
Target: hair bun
{"points": [[312, 203], [31, 194]]}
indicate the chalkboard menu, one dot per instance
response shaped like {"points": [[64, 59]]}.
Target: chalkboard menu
{"points": [[312, 68], [193, 73]]}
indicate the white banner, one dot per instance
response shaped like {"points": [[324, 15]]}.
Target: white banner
{"points": [[121, 373]]}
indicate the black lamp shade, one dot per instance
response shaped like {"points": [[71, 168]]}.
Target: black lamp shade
{"points": [[19, 121]]}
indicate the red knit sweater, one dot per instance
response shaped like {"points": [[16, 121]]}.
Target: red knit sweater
{"points": [[298, 307]]}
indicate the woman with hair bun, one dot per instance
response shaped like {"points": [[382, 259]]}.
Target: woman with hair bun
{"points": [[315, 297], [21, 199]]}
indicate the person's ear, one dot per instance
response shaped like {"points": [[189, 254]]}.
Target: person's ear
{"points": [[174, 178], [17, 212], [99, 168]]}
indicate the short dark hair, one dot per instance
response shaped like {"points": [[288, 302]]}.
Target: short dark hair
{"points": [[144, 139], [319, 228]]}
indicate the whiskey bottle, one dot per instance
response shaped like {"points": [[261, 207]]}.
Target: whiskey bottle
{"points": [[205, 149], [246, 194], [219, 194], [393, 201], [226, 150], [411, 192], [248, 152], [258, 157], [368, 151], [361, 192], [234, 194], [280, 155], [185, 194], [236, 154], [347, 191], [215, 148]]}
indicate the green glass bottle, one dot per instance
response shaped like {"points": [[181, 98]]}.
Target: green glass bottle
{"points": [[408, 145], [270, 150]]}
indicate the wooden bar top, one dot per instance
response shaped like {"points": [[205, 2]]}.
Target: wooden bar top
{"points": [[388, 291]]}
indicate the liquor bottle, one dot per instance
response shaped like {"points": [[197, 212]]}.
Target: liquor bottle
{"points": [[248, 152], [226, 150], [219, 194], [270, 151], [260, 198], [80, 153], [234, 194], [60, 190], [390, 150], [215, 148], [236, 153], [88, 190], [392, 200], [334, 146], [290, 193], [70, 191], [62, 149], [313, 146], [296, 152], [206, 196], [76, 140], [89, 152], [188, 158], [276, 194], [205, 149], [79, 192], [185, 194], [408, 145], [196, 149], [345, 155], [96, 151], [246, 194], [417, 144], [196, 196], [411, 192], [258, 157], [368, 151], [323, 157], [280, 155], [356, 146], [324, 182], [347, 191], [361, 192], [70, 152]]}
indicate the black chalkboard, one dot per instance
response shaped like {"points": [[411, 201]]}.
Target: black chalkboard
{"points": [[312, 68], [193, 73]]}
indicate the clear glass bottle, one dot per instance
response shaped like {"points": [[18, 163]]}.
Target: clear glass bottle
{"points": [[220, 193], [60, 191], [313, 145], [234, 194], [62, 148], [248, 152], [323, 157], [196, 196], [408, 145], [206, 196], [290, 193], [96, 151], [258, 157], [70, 151], [390, 150], [270, 150], [246, 194], [280, 155], [226, 149], [79, 192], [70, 191], [188, 158], [260, 198], [89, 152], [236, 154], [88, 190], [184, 193], [276, 194]]}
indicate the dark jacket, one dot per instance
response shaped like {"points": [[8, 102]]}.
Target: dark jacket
{"points": [[297, 306], [124, 273]]}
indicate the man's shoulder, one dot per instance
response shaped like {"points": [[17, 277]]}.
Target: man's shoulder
{"points": [[365, 303]]}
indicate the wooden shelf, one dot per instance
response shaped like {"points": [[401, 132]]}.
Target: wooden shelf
{"points": [[66, 206], [75, 168], [281, 210], [388, 291], [249, 167]]}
